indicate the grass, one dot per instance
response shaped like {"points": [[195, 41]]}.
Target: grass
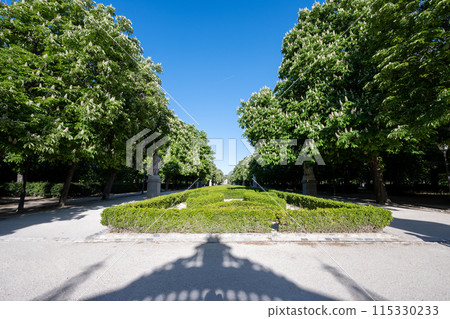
{"points": [[256, 212]]}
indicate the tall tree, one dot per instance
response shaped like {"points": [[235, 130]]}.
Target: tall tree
{"points": [[76, 86], [187, 155], [326, 91]]}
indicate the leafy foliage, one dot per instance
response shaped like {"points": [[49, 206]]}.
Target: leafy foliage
{"points": [[361, 78]]}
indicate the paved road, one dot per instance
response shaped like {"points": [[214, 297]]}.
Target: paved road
{"points": [[65, 254]]}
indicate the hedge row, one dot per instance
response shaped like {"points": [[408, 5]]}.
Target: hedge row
{"points": [[198, 220], [207, 212], [47, 189], [41, 189], [198, 202], [311, 202], [336, 220], [240, 203], [165, 201], [245, 219], [265, 198]]}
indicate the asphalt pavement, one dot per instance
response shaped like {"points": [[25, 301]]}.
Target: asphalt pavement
{"points": [[66, 254]]}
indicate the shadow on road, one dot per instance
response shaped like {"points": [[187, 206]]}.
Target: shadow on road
{"points": [[67, 290], [212, 273], [76, 211], [425, 230]]}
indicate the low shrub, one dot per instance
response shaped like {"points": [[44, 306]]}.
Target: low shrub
{"points": [[311, 202], [238, 203], [336, 220], [197, 220], [38, 189], [265, 198], [164, 201], [56, 190], [200, 201], [207, 212], [11, 189]]}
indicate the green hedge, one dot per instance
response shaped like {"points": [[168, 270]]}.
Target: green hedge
{"points": [[42, 189], [311, 202], [266, 198], [164, 201], [47, 189], [200, 220], [198, 202], [336, 220], [239, 203], [207, 212]]}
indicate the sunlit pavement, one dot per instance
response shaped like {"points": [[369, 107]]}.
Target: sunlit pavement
{"points": [[66, 254]]}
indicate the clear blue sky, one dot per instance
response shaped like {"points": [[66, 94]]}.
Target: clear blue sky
{"points": [[213, 54]]}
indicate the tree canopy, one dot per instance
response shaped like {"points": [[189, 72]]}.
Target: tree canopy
{"points": [[336, 83]]}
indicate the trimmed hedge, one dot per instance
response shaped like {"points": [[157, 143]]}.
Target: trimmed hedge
{"points": [[265, 198], [336, 220], [47, 189], [239, 203], [38, 189], [207, 212], [198, 202], [201, 220], [165, 201], [311, 202]]}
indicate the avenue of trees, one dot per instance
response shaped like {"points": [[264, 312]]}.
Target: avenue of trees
{"points": [[74, 86], [368, 81], [187, 157]]}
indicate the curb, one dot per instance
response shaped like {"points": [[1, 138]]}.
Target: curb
{"points": [[107, 236]]}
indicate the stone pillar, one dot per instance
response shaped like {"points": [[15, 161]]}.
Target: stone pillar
{"points": [[309, 181], [154, 181], [153, 186]]}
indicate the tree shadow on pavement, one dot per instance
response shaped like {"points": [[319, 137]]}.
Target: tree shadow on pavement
{"points": [[76, 211], [425, 230], [212, 273], [357, 292], [65, 291]]}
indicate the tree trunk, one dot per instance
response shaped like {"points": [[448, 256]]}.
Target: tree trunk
{"points": [[446, 170], [166, 188], [65, 191], [109, 184], [23, 193], [378, 182]]}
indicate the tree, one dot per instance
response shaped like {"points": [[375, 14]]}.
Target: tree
{"points": [[187, 156], [325, 92], [217, 176], [409, 42], [76, 87], [241, 172]]}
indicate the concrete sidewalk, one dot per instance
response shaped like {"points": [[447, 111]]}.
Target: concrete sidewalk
{"points": [[65, 254]]}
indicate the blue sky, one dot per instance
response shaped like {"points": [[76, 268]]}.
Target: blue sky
{"points": [[213, 53]]}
